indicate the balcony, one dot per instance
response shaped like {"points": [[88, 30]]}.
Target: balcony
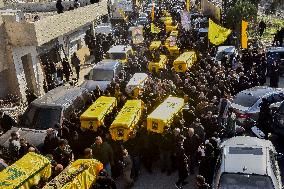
{"points": [[23, 33]]}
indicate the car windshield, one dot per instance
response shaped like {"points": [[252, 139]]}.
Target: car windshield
{"points": [[117, 56], [243, 181], [47, 118], [275, 55], [245, 100], [103, 75], [221, 54]]}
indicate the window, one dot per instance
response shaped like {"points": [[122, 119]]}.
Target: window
{"points": [[245, 100], [275, 98], [47, 117], [245, 181], [103, 75]]}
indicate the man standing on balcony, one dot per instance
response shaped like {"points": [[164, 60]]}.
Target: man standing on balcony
{"points": [[75, 61]]}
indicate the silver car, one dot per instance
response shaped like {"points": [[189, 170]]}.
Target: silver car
{"points": [[246, 104]]}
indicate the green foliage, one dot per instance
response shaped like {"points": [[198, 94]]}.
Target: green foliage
{"points": [[242, 10]]}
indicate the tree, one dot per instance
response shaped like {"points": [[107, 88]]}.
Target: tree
{"points": [[242, 10]]}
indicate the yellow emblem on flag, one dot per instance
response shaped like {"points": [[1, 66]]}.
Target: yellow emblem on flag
{"points": [[155, 29], [244, 34], [217, 34]]}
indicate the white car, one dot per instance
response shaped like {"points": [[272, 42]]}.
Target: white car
{"points": [[247, 163], [225, 50]]}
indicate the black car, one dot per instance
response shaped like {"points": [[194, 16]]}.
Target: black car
{"points": [[50, 109], [278, 118]]}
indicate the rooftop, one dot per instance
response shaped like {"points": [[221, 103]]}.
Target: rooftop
{"points": [[51, 26]]}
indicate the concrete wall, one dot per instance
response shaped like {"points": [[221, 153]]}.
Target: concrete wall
{"points": [[18, 52], [43, 7], [49, 28]]}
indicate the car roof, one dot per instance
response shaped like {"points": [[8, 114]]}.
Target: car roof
{"points": [[259, 91], [203, 30], [247, 155], [106, 64], [119, 48], [226, 49], [35, 137], [60, 96], [275, 49]]}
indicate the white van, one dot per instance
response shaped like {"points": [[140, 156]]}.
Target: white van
{"points": [[104, 29], [247, 163]]}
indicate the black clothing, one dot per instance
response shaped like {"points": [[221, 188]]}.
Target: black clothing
{"points": [[50, 143], [24, 150], [59, 7], [63, 157]]}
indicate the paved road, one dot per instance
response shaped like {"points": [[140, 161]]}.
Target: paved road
{"points": [[157, 180]]}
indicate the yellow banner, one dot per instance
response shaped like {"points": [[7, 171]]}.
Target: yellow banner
{"points": [[217, 34], [188, 5], [244, 34], [80, 174], [155, 29], [122, 13], [153, 11], [26, 172]]}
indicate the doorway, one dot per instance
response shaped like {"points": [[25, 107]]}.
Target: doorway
{"points": [[29, 72]]}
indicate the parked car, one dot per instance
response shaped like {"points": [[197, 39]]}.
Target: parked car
{"points": [[247, 162], [35, 137], [278, 118], [51, 108], [120, 52], [246, 104], [102, 74], [225, 50], [275, 54], [104, 29]]}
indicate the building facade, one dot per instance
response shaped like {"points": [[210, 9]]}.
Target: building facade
{"points": [[29, 46]]}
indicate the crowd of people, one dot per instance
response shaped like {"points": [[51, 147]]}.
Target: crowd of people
{"points": [[190, 145]]}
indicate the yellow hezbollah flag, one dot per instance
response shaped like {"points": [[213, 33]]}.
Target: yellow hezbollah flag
{"points": [[26, 172], [155, 29], [153, 10], [187, 5], [122, 13], [244, 34], [217, 34]]}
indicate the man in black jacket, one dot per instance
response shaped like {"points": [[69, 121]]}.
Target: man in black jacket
{"points": [[191, 145]]}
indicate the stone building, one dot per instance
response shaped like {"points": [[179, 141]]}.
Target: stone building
{"points": [[25, 47]]}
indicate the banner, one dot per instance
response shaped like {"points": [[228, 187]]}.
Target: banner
{"points": [[155, 29], [244, 34], [80, 174], [153, 11], [26, 172], [188, 5], [137, 35], [217, 34], [185, 21], [209, 9], [122, 13]]}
